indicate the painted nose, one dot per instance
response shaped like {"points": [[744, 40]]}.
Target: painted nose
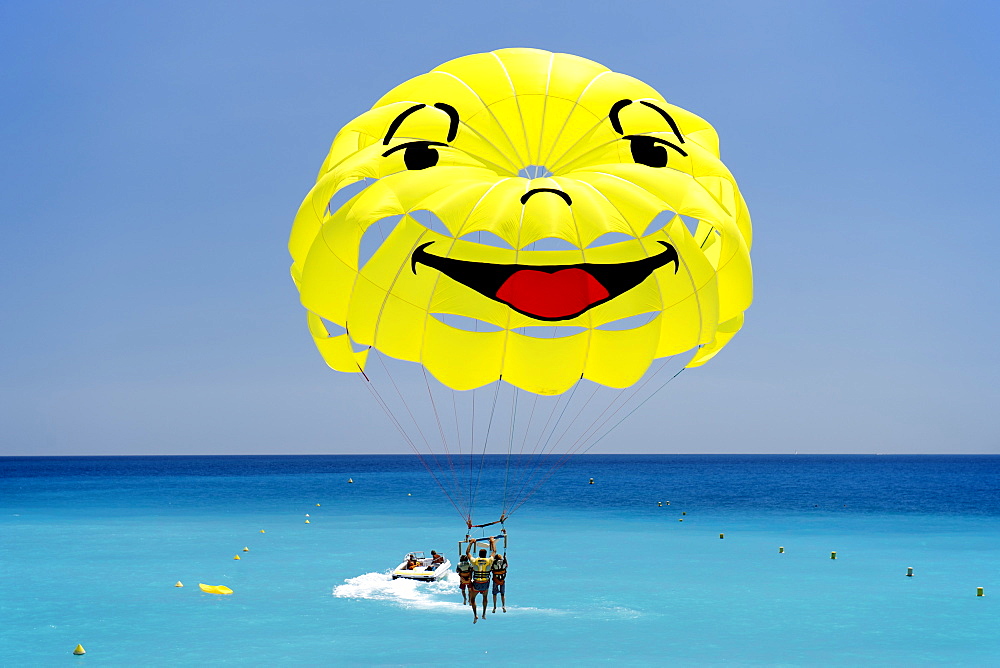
{"points": [[534, 191]]}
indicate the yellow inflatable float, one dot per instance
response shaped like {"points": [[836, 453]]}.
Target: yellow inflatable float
{"points": [[215, 589]]}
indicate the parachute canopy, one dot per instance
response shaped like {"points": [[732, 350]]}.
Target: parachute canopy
{"points": [[526, 217]]}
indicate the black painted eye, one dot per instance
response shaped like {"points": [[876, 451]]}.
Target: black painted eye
{"points": [[651, 151], [417, 154], [645, 151]]}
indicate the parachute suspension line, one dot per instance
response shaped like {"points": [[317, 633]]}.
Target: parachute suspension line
{"points": [[520, 452], [416, 424], [524, 460], [570, 453], [458, 431], [548, 421], [623, 398], [472, 445], [613, 427], [510, 447], [392, 418], [542, 470], [637, 407], [444, 439], [482, 461], [537, 454], [538, 451]]}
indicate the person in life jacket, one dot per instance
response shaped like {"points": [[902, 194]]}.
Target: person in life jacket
{"points": [[464, 570], [499, 571], [481, 566]]}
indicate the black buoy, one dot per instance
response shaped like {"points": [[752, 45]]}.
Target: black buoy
{"points": [[591, 481]]}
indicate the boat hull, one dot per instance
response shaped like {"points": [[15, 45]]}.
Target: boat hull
{"points": [[423, 572]]}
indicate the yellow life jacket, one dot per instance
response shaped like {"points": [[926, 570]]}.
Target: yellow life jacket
{"points": [[481, 568]]}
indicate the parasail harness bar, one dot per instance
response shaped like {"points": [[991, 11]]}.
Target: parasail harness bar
{"points": [[469, 539], [470, 525]]}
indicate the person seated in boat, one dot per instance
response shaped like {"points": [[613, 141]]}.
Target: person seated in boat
{"points": [[411, 563], [499, 572], [436, 558], [481, 566], [464, 570]]}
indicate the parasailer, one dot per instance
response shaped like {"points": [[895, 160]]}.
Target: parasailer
{"points": [[482, 567], [514, 252]]}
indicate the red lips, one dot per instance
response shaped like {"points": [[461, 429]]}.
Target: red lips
{"points": [[558, 294]]}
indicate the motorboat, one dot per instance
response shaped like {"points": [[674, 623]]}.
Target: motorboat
{"points": [[423, 570]]}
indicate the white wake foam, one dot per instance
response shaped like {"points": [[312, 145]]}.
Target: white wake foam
{"points": [[408, 593], [414, 594]]}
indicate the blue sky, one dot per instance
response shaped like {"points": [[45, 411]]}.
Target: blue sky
{"points": [[153, 156]]}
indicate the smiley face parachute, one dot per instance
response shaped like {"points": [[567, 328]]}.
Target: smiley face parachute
{"points": [[512, 253]]}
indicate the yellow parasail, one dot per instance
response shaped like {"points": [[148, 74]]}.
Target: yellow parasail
{"points": [[529, 146], [518, 191]]}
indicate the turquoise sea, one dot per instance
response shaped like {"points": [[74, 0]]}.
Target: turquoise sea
{"points": [[91, 547]]}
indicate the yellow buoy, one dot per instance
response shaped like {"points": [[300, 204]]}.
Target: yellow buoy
{"points": [[409, 495], [833, 555], [307, 521], [246, 549], [979, 591], [262, 531], [317, 505], [215, 589], [179, 584], [236, 557], [350, 480], [79, 650]]}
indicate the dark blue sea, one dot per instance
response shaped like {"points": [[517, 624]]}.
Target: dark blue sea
{"points": [[667, 559]]}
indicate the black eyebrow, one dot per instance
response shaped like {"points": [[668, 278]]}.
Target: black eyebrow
{"points": [[667, 117], [621, 104], [398, 120], [613, 114], [452, 118], [446, 108]]}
